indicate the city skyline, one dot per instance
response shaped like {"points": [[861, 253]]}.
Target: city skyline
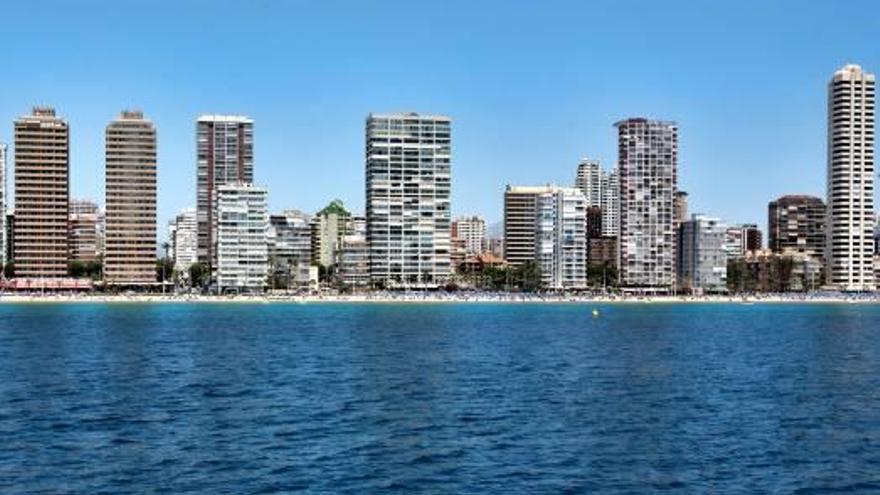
{"points": [[309, 115]]}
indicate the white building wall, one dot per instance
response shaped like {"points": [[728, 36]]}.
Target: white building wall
{"points": [[242, 248]]}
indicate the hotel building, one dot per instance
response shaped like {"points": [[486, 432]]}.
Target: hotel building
{"points": [[850, 194], [130, 218], [647, 163], [408, 210], [225, 155], [42, 144]]}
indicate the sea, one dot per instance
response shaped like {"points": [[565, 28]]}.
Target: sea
{"points": [[412, 398]]}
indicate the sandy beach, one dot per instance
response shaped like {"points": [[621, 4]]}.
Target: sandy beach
{"points": [[448, 298]]}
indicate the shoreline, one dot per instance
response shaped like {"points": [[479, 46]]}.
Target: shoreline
{"points": [[437, 299]]}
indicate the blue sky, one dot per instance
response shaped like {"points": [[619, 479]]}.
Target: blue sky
{"points": [[531, 86]]}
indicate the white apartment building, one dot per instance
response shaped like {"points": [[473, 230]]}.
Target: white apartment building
{"points": [[850, 194], [183, 239], [242, 247], [471, 232], [702, 259], [647, 162], [561, 238], [224, 155], [601, 189], [408, 210]]}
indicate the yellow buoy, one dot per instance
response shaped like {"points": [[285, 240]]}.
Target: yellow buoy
{"points": [[595, 313]]}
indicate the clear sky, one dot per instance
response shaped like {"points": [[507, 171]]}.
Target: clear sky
{"points": [[531, 86]]}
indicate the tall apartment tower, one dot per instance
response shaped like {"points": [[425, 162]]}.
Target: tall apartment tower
{"points": [[183, 237], [242, 238], [471, 231], [647, 163], [850, 193], [796, 224], [601, 190], [42, 190], [3, 200], [225, 155], [590, 177], [519, 222], [561, 238], [130, 222], [408, 159], [611, 204]]}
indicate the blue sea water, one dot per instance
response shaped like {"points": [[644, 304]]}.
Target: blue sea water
{"points": [[444, 398]]}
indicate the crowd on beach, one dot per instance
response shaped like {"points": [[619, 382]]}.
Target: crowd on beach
{"points": [[442, 296]]}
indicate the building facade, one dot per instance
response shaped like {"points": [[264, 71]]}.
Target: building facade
{"points": [[42, 185], [224, 155], [601, 188], [3, 200], [290, 250], [702, 260], [471, 231], [561, 238], [183, 238], [408, 182], [328, 229], [519, 222], [242, 224], [850, 195], [84, 231], [797, 224], [647, 163], [742, 238], [130, 222]]}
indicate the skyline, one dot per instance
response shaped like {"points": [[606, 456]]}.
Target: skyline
{"points": [[525, 108]]}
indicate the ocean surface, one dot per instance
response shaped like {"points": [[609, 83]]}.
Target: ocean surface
{"points": [[439, 398]]}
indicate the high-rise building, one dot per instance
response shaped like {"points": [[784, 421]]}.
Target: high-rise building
{"points": [[594, 222], [472, 232], [647, 163], [519, 222], [796, 223], [739, 239], [328, 229], [242, 224], [130, 224], [10, 238], [611, 204], [290, 249], [3, 200], [589, 180], [42, 172], [561, 238], [680, 207], [702, 261], [408, 182], [183, 239], [850, 193], [601, 189], [225, 155], [354, 260], [83, 240]]}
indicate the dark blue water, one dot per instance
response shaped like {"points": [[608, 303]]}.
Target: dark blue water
{"points": [[439, 398]]}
